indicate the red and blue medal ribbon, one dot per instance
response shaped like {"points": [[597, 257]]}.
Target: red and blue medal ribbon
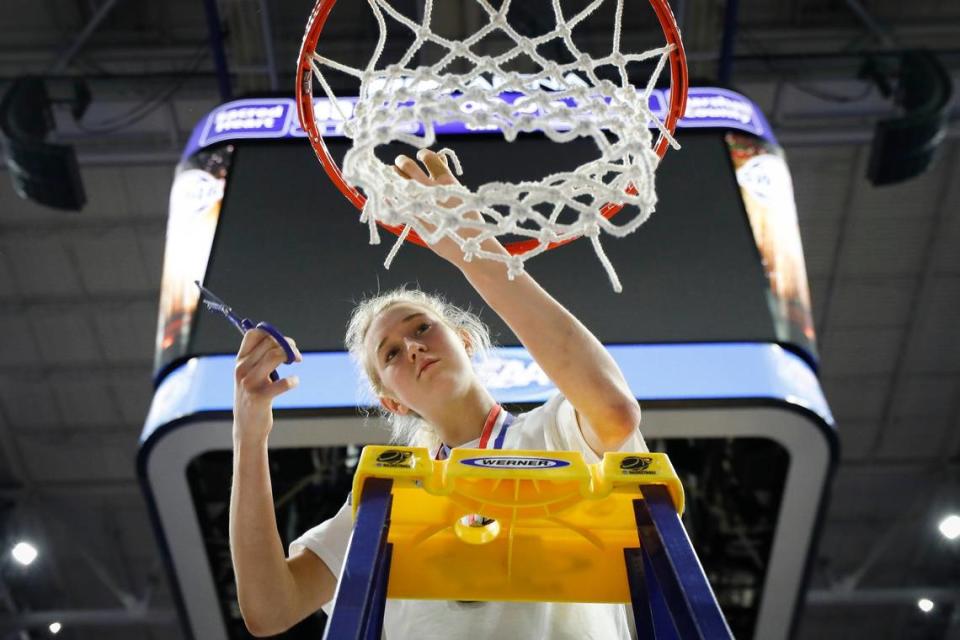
{"points": [[495, 428]]}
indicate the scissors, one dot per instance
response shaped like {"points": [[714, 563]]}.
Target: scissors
{"points": [[243, 325]]}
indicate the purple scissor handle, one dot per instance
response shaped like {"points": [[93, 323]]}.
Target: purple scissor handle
{"points": [[243, 325]]}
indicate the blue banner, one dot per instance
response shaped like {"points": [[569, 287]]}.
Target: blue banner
{"points": [[654, 372], [277, 117]]}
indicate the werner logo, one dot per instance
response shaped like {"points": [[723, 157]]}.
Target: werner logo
{"points": [[515, 462]]}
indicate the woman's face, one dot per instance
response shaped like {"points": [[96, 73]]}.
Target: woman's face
{"points": [[419, 359]]}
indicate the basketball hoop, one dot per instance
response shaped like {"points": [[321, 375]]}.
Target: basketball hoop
{"points": [[564, 101]]}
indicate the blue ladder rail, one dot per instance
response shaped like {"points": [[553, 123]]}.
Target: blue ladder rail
{"points": [[670, 595]]}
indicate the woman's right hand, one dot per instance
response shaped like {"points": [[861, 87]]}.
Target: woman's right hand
{"points": [[438, 173], [253, 391]]}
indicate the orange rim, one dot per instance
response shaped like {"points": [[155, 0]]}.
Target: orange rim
{"points": [[679, 84]]}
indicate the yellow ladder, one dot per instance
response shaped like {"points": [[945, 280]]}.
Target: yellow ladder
{"points": [[515, 525]]}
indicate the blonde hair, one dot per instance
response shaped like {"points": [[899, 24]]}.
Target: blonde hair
{"points": [[410, 429]]}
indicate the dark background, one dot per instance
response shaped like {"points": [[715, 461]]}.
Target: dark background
{"points": [[289, 250]]}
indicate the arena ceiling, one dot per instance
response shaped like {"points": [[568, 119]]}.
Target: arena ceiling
{"points": [[79, 293]]}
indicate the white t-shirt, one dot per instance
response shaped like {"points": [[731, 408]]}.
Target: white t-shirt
{"points": [[552, 427]]}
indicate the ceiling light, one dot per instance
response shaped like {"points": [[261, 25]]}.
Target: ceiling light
{"points": [[55, 628], [950, 527], [24, 553], [925, 605]]}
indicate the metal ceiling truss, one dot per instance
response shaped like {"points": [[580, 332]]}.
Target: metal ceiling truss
{"points": [[63, 60]]}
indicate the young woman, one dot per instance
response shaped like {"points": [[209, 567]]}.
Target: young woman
{"points": [[416, 351]]}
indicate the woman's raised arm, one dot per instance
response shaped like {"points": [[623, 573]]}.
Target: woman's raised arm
{"points": [[569, 354]]}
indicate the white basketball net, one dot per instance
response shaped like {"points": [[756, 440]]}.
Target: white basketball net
{"points": [[401, 103]]}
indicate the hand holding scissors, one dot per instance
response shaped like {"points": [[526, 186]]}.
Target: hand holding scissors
{"points": [[217, 305]]}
